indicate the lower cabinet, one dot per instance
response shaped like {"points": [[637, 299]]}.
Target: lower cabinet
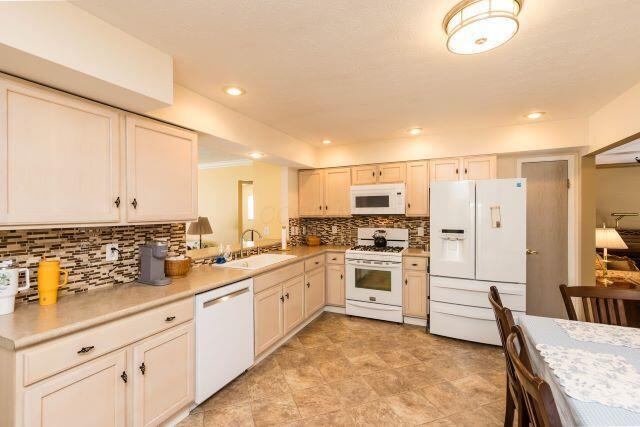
{"points": [[268, 318], [163, 375], [293, 303], [314, 292], [93, 394], [335, 285], [415, 294]]}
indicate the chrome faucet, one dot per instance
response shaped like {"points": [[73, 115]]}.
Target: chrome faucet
{"points": [[252, 231]]}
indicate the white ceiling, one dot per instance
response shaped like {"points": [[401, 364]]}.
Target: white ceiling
{"points": [[626, 153], [360, 70]]}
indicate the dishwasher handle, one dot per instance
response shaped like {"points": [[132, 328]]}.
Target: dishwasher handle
{"points": [[224, 298]]}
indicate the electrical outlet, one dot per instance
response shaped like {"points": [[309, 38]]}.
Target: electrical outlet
{"points": [[334, 229], [421, 231], [112, 253], [304, 230], [265, 231]]}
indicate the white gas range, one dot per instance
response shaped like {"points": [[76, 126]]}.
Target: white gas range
{"points": [[374, 275]]}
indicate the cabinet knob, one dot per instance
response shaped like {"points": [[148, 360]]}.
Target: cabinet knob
{"points": [[380, 173], [117, 202], [406, 281], [415, 265], [287, 295], [308, 285], [373, 174], [465, 171], [409, 205], [143, 368], [85, 350], [124, 377], [134, 204], [456, 170], [281, 298], [320, 207], [340, 276], [326, 208], [170, 318]]}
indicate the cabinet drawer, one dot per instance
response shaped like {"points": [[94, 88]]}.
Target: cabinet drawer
{"points": [[475, 293], [415, 263], [335, 258], [50, 358], [314, 262], [267, 280]]}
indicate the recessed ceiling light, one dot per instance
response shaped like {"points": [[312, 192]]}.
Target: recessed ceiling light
{"points": [[234, 90], [256, 155], [326, 141], [535, 115], [414, 131], [475, 26]]}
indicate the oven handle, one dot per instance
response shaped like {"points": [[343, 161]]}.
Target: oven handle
{"points": [[392, 266], [379, 307]]}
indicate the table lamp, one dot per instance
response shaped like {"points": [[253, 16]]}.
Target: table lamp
{"points": [[608, 238], [200, 227]]}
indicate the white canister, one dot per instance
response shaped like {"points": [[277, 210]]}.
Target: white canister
{"points": [[9, 286]]}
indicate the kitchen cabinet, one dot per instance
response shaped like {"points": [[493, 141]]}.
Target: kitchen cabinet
{"points": [[162, 172], [337, 199], [293, 291], [391, 173], [445, 169], [311, 192], [93, 394], [268, 318], [314, 292], [416, 287], [59, 158], [479, 167], [364, 174], [417, 191], [335, 285], [164, 375]]}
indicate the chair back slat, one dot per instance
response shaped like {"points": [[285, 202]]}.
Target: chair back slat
{"points": [[601, 305]]}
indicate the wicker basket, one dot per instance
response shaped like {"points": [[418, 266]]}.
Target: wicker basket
{"points": [[313, 241], [177, 267]]}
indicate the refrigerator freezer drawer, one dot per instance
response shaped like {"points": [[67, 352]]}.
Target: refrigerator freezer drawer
{"points": [[475, 293], [466, 323]]}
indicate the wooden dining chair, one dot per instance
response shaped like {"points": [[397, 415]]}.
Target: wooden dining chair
{"points": [[504, 320], [536, 393], [600, 304]]}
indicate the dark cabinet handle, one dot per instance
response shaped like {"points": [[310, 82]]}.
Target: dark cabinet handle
{"points": [[317, 262], [340, 276], [415, 265], [373, 174], [308, 285], [456, 170], [170, 319], [117, 202], [124, 377], [143, 368], [380, 173], [281, 298], [134, 204], [85, 350], [287, 295], [320, 207], [334, 259], [409, 205], [326, 207], [465, 171], [405, 281]]}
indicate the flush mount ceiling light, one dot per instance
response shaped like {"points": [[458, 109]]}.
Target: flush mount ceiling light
{"points": [[535, 115], [475, 26], [256, 155], [326, 141], [234, 90], [414, 131]]}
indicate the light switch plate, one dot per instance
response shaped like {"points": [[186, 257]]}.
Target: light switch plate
{"points": [[421, 231], [111, 254], [334, 229]]}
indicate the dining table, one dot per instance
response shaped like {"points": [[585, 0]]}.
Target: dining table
{"points": [[542, 332]]}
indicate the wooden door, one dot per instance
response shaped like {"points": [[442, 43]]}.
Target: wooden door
{"points": [[59, 158], [163, 377], [293, 290], [479, 167], [365, 174], [337, 198], [93, 394], [418, 188], [335, 285], [547, 233], [415, 293], [392, 172], [311, 192], [314, 291], [268, 318], [445, 169], [162, 172]]}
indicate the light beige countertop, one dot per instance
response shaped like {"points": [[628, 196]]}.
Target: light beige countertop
{"points": [[32, 324], [416, 252]]}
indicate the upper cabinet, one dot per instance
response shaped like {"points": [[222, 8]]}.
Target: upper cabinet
{"points": [[324, 192], [162, 172], [417, 193], [461, 168], [445, 169], [59, 158], [378, 174], [311, 192], [363, 175]]}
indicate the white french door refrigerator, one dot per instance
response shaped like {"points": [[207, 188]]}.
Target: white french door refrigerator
{"points": [[478, 240]]}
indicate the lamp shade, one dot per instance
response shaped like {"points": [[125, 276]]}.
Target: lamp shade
{"points": [[609, 238], [201, 226]]}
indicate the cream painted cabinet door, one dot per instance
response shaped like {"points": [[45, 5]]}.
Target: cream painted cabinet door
{"points": [[293, 302], [59, 158], [415, 293], [418, 188], [365, 174], [337, 199], [93, 394], [445, 169], [310, 192], [335, 285], [480, 167], [163, 376], [392, 172], [268, 318], [314, 291], [162, 172]]}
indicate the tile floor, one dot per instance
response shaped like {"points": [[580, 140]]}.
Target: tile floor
{"points": [[346, 371]]}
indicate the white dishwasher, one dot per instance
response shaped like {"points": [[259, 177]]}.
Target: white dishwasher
{"points": [[224, 336]]}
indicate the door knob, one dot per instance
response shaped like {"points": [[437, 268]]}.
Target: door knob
{"points": [[531, 252]]}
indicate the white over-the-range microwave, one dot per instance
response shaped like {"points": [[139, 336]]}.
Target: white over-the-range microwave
{"points": [[377, 199]]}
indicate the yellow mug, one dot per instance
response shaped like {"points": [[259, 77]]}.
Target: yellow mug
{"points": [[49, 281]]}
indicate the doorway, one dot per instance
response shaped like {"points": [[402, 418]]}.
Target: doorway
{"points": [[548, 221]]}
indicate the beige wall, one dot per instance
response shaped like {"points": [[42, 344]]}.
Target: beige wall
{"points": [[218, 199], [615, 121], [617, 190], [587, 222]]}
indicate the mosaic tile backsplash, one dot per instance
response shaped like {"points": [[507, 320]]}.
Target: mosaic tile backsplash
{"points": [[81, 251], [347, 228]]}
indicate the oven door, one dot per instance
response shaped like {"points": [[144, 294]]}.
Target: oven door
{"points": [[377, 199], [374, 281]]}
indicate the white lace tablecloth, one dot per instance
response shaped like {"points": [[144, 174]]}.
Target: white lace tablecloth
{"points": [[603, 334], [604, 378]]}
